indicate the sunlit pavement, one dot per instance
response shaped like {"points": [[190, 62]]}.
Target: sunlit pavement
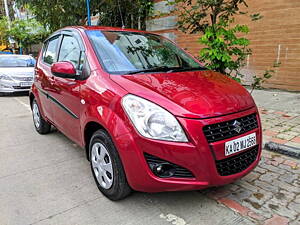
{"points": [[47, 180]]}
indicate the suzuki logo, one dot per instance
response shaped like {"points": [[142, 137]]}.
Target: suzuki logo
{"points": [[237, 126]]}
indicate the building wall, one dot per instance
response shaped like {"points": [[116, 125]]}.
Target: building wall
{"points": [[275, 38]]}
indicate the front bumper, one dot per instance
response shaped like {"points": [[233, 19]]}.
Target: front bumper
{"points": [[13, 86], [197, 156]]}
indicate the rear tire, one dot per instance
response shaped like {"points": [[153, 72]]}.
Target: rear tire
{"points": [[107, 167], [41, 125]]}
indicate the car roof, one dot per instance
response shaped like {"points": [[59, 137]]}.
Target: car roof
{"points": [[99, 28], [81, 29], [102, 28]]}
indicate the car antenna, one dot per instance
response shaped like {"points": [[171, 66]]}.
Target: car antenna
{"points": [[123, 26]]}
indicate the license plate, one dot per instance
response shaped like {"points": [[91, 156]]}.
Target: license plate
{"points": [[240, 144], [25, 84]]}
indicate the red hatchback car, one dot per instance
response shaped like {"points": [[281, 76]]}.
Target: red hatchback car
{"points": [[150, 117]]}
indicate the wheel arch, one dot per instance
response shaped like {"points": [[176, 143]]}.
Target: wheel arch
{"points": [[90, 128], [31, 98]]}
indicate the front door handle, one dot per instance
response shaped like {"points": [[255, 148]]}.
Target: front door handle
{"points": [[51, 79]]}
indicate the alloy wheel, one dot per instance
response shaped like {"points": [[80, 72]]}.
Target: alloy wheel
{"points": [[36, 115], [102, 165]]}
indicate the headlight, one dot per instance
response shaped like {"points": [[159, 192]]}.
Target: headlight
{"points": [[152, 121], [4, 77]]}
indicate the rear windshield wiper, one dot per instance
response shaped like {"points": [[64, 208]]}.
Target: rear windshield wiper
{"points": [[166, 69]]}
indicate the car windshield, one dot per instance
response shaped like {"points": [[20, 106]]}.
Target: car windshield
{"points": [[16, 61], [123, 52]]}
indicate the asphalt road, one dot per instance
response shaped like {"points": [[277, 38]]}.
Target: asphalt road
{"points": [[47, 180]]}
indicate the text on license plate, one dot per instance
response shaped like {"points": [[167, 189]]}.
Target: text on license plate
{"points": [[240, 144], [25, 84]]}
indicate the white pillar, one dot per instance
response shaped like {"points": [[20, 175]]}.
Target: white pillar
{"points": [[7, 12], [6, 9]]}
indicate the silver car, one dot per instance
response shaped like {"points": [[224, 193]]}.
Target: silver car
{"points": [[16, 73]]}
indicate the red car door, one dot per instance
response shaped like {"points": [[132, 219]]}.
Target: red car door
{"points": [[44, 77], [66, 91]]}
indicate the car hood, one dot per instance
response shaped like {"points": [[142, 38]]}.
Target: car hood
{"points": [[17, 71], [197, 94]]}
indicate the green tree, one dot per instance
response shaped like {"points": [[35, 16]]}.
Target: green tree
{"points": [[132, 12], [27, 32], [226, 46], [3, 29], [55, 14]]}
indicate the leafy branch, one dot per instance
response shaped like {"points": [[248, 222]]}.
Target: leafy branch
{"points": [[258, 81], [55, 14]]}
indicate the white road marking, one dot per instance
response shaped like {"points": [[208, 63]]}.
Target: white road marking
{"points": [[175, 220], [27, 106]]}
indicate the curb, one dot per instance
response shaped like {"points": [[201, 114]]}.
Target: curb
{"points": [[283, 149]]}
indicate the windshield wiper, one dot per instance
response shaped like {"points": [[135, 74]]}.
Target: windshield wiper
{"points": [[181, 69], [166, 69], [153, 69]]}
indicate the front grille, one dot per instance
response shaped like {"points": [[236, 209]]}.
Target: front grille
{"points": [[237, 163], [227, 129], [180, 172]]}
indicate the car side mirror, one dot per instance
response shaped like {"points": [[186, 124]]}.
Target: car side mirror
{"points": [[64, 70]]}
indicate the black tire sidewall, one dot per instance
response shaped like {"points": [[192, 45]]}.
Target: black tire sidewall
{"points": [[119, 178], [35, 103], [44, 127]]}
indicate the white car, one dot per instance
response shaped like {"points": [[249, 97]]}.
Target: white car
{"points": [[16, 73]]}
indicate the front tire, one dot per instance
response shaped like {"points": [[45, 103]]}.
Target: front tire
{"points": [[107, 167], [41, 125]]}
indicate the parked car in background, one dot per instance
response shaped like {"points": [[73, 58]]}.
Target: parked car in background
{"points": [[150, 117], [16, 73]]}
